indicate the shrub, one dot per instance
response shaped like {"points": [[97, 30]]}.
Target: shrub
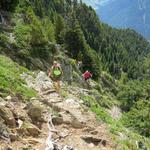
{"points": [[138, 117], [22, 34], [131, 92]]}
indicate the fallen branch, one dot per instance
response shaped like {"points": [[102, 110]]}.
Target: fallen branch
{"points": [[50, 143]]}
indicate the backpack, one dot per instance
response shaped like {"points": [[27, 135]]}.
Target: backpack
{"points": [[56, 72]]}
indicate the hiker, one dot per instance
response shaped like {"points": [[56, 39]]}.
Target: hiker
{"points": [[79, 64], [55, 73], [86, 76]]}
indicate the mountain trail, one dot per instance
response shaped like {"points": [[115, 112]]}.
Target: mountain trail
{"points": [[70, 127]]}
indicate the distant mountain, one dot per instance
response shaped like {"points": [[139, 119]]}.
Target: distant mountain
{"points": [[96, 3], [133, 14]]}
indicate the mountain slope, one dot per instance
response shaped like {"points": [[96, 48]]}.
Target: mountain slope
{"points": [[133, 14], [39, 32], [75, 115], [50, 120], [80, 32]]}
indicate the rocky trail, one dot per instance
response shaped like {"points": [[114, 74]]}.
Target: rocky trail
{"points": [[50, 122]]}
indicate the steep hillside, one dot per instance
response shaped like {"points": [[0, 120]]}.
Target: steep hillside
{"points": [[127, 14], [43, 119], [10, 80], [77, 28], [79, 118], [35, 33]]}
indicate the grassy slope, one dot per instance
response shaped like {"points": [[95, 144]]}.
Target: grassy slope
{"points": [[10, 80], [124, 138], [100, 100]]}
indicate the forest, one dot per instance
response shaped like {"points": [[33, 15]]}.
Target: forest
{"points": [[123, 54]]}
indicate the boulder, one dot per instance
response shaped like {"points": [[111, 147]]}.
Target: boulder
{"points": [[14, 137], [78, 124], [67, 71], [95, 139], [73, 103], [29, 79], [28, 129], [8, 98], [40, 83], [72, 113], [5, 146], [35, 112], [4, 131], [57, 120], [66, 118], [43, 82], [7, 116], [2, 102]]}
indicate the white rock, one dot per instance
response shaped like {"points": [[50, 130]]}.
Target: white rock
{"points": [[41, 83], [20, 122], [73, 103], [8, 98], [91, 145]]}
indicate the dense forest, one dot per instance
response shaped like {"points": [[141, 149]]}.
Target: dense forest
{"points": [[77, 27], [39, 25]]}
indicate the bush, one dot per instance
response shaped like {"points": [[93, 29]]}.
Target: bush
{"points": [[49, 31], [138, 117], [108, 82], [22, 34], [24, 53], [132, 92], [3, 38], [8, 5]]}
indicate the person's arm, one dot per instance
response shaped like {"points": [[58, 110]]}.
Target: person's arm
{"points": [[60, 68], [91, 75], [50, 71], [83, 74]]}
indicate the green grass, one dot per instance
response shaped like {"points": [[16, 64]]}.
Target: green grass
{"points": [[10, 80], [115, 126]]}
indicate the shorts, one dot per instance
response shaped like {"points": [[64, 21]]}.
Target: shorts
{"points": [[55, 79], [86, 79]]}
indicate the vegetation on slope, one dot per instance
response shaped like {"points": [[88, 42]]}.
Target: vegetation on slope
{"points": [[37, 27], [10, 79], [77, 28]]}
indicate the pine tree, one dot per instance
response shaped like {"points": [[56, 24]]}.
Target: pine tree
{"points": [[49, 30], [8, 5], [75, 41], [60, 28]]}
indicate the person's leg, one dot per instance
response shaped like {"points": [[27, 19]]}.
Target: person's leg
{"points": [[88, 83], [58, 83], [57, 86], [85, 83]]}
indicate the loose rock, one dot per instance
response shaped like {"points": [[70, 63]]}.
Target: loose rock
{"points": [[7, 116]]}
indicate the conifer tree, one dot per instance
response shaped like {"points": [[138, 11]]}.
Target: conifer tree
{"points": [[60, 28]]}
